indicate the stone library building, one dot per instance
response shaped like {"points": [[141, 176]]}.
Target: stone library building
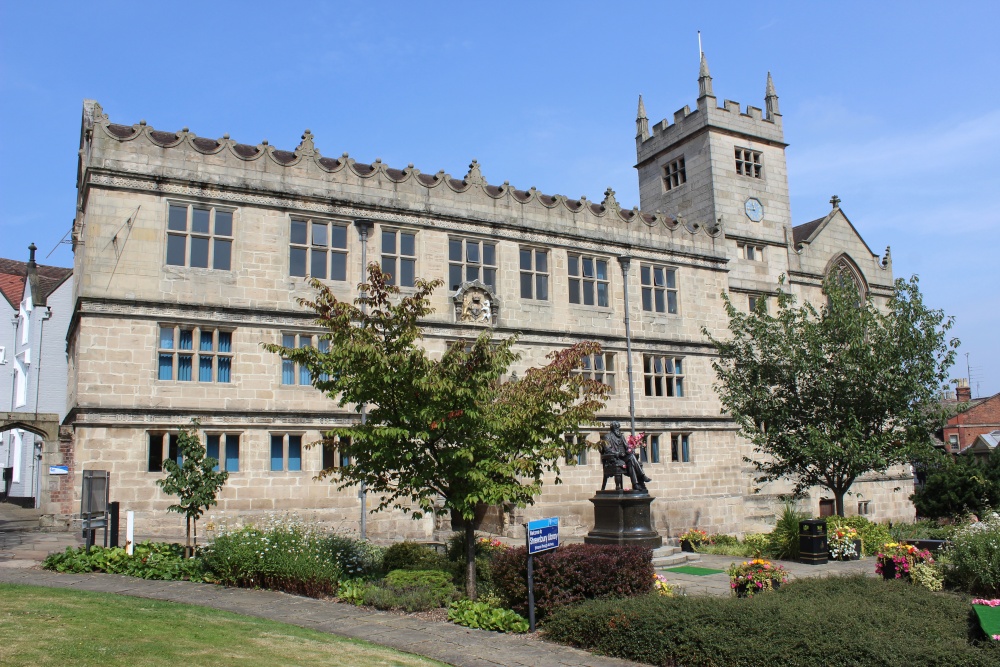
{"points": [[190, 252]]}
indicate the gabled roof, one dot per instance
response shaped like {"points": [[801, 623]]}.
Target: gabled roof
{"points": [[12, 279], [808, 231], [979, 405]]}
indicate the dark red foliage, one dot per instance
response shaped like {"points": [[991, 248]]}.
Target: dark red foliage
{"points": [[571, 574]]}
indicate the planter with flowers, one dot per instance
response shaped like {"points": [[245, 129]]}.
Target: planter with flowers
{"points": [[843, 543], [661, 587], [755, 576], [692, 538], [895, 560]]}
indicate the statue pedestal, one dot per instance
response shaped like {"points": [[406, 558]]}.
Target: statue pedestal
{"points": [[624, 518]]}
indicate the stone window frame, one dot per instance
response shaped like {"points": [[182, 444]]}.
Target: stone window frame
{"points": [[592, 284], [680, 447], [215, 239], [220, 360], [219, 444], [650, 452], [864, 507], [397, 258], [300, 375], [467, 262], [576, 440], [753, 299], [535, 279], [674, 174], [656, 292], [606, 361], [288, 442], [303, 232], [155, 465], [752, 252], [749, 163], [663, 376]]}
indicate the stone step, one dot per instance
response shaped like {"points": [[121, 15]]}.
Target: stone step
{"points": [[674, 560]]}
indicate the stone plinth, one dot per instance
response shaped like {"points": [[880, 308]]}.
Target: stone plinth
{"points": [[623, 517]]}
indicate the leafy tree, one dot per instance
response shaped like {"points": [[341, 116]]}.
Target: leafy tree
{"points": [[194, 481], [827, 395], [956, 485], [452, 427]]}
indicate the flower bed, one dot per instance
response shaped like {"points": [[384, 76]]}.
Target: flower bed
{"points": [[895, 560], [755, 576]]}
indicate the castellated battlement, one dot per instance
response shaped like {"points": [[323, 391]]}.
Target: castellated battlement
{"points": [[730, 117], [303, 177]]}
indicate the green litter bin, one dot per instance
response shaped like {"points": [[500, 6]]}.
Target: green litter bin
{"points": [[813, 549]]}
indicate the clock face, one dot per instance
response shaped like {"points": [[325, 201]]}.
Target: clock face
{"points": [[754, 210]]}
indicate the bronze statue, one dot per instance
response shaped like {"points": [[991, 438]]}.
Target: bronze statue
{"points": [[618, 461]]}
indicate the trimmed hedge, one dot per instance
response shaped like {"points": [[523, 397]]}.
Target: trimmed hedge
{"points": [[571, 574], [856, 621]]}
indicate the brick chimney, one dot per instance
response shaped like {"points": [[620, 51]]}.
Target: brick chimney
{"points": [[963, 392]]}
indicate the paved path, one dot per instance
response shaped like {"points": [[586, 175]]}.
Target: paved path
{"points": [[718, 584]]}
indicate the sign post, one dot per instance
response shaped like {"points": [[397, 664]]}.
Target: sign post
{"points": [[541, 535]]}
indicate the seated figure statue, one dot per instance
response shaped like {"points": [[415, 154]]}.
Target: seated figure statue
{"points": [[618, 461]]}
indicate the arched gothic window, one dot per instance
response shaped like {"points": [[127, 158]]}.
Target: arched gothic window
{"points": [[846, 273]]}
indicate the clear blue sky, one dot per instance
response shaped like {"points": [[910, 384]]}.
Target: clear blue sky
{"points": [[893, 106]]}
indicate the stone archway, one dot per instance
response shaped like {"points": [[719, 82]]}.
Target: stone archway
{"points": [[46, 426]]}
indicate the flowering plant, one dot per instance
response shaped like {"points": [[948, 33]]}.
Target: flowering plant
{"points": [[987, 603], [695, 536], [841, 542], [661, 586], [902, 558], [489, 546], [754, 576], [634, 441]]}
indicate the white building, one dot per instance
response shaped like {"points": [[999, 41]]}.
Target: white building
{"points": [[36, 309]]}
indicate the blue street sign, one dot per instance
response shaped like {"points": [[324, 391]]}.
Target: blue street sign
{"points": [[543, 535]]}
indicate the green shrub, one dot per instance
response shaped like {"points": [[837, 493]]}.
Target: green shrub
{"points": [[974, 557], [355, 558], [857, 621], [150, 560], [571, 574], [438, 583], [414, 556], [736, 549], [873, 535], [759, 544], [352, 591], [285, 557], [485, 617], [928, 575], [785, 536], [922, 529], [411, 590], [722, 540]]}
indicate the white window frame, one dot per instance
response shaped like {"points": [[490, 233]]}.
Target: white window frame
{"points": [[599, 367], [396, 256], [484, 273]]}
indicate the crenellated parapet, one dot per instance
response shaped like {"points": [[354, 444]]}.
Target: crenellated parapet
{"points": [[305, 172]]}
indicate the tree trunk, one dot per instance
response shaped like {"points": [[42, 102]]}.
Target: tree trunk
{"points": [[187, 542], [470, 559], [839, 495], [195, 549]]}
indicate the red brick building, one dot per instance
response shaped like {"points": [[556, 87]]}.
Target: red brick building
{"points": [[962, 429]]}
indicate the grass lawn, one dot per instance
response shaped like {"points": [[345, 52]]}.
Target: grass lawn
{"points": [[44, 626]]}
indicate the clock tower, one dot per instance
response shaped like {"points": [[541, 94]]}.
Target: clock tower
{"points": [[722, 166]]}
